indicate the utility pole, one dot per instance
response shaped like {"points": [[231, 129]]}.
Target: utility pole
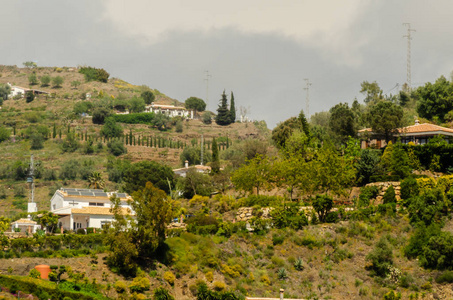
{"points": [[207, 88], [201, 160], [31, 207], [307, 100], [409, 38]]}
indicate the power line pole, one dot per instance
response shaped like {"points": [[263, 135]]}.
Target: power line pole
{"points": [[409, 38], [207, 88], [307, 99]]}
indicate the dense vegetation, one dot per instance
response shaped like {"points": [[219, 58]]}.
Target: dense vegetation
{"points": [[310, 237]]}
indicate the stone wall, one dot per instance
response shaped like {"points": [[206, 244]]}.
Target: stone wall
{"points": [[246, 213], [383, 186]]}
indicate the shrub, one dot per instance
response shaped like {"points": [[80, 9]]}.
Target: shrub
{"points": [[445, 277], [389, 195], [381, 258], [409, 188], [94, 74], [162, 294], [169, 277], [366, 194], [70, 144], [34, 273], [116, 147], [139, 285], [219, 286], [120, 287], [206, 118], [135, 118], [209, 276], [36, 141], [4, 134]]}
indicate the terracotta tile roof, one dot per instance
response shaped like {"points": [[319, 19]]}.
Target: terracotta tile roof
{"points": [[425, 127], [25, 221], [98, 211]]}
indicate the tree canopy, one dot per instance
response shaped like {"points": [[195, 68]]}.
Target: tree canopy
{"points": [[195, 104], [223, 114], [138, 174], [385, 118], [435, 100]]}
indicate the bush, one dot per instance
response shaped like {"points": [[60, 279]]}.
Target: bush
{"points": [[4, 134], [70, 144], [100, 114], [445, 277], [135, 118], [389, 195], [162, 294], [381, 258], [206, 118], [219, 286], [366, 194], [409, 188], [282, 274], [36, 141], [139, 285], [116, 147], [170, 277], [120, 287], [94, 74], [34, 273]]}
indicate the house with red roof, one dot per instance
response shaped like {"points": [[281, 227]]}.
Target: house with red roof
{"points": [[419, 134]]}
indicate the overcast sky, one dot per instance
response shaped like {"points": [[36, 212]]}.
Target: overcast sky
{"points": [[260, 49]]}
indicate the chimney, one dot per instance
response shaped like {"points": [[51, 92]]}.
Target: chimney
{"points": [[186, 164], [281, 293], [417, 122]]}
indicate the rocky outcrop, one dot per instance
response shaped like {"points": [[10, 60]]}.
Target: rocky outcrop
{"points": [[383, 186]]}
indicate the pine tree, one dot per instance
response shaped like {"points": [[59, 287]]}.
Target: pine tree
{"points": [[223, 114], [232, 109], [215, 166]]}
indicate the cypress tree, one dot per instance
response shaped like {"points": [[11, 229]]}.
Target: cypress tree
{"points": [[69, 128], [215, 166], [223, 114], [59, 133], [127, 137], [139, 140], [130, 137], [232, 109], [228, 143], [54, 133]]}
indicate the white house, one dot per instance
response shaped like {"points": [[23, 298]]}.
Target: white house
{"points": [[83, 208], [25, 225], [199, 168], [18, 90], [170, 110]]}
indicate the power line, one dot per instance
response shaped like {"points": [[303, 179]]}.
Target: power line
{"points": [[307, 99], [409, 38]]}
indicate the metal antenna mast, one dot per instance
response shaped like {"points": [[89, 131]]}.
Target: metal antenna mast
{"points": [[207, 88], [409, 38], [307, 100]]}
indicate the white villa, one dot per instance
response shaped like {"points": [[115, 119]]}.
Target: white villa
{"points": [[83, 208], [170, 110]]}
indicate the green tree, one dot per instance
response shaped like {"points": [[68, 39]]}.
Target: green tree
{"points": [[389, 195], [70, 143], [36, 141], [367, 165], [32, 79], [29, 96], [435, 100], [255, 174], [223, 114], [322, 204], [385, 118], [291, 172], [215, 165], [111, 129], [116, 147], [148, 97], [30, 64], [45, 80], [100, 114], [284, 130], [75, 84], [195, 104], [342, 121], [428, 208], [138, 174], [196, 183], [399, 161], [5, 90], [144, 235], [47, 220], [136, 105], [372, 92], [57, 81], [232, 109]]}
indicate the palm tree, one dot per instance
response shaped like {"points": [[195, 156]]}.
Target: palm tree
{"points": [[95, 180]]}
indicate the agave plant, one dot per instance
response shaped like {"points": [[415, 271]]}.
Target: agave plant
{"points": [[299, 264], [282, 274]]}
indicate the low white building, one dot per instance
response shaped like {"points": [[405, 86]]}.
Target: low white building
{"points": [[83, 208], [199, 168], [20, 91], [25, 225], [170, 110]]}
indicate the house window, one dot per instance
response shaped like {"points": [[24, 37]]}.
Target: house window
{"points": [[96, 204]]}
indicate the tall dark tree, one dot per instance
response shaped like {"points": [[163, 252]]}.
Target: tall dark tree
{"points": [[284, 130], [385, 118], [435, 99], [232, 109], [215, 165], [342, 121], [148, 97], [223, 113]]}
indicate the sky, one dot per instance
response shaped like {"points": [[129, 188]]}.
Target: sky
{"points": [[262, 50]]}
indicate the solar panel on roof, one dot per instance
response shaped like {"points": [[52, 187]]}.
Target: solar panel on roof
{"points": [[100, 194], [86, 193], [72, 193], [69, 190], [122, 195]]}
